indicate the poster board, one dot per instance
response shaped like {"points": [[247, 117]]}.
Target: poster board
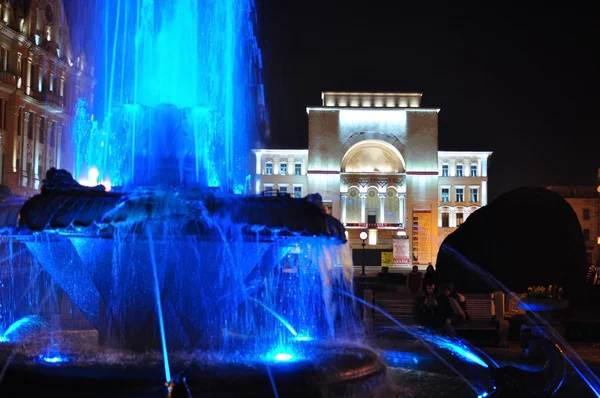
{"points": [[387, 259], [401, 251]]}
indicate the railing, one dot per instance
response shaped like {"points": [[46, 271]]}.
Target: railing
{"points": [[8, 77], [56, 99], [39, 96], [373, 225]]}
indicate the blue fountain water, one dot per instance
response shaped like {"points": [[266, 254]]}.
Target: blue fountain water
{"points": [[587, 375], [179, 87]]}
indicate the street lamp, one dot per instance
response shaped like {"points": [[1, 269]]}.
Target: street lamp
{"points": [[363, 236]]}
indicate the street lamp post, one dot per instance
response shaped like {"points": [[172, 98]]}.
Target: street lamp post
{"points": [[363, 236]]}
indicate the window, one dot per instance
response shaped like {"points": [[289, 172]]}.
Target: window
{"points": [[460, 195], [298, 169], [586, 234], [283, 168], [459, 219], [445, 195], [3, 59], [19, 121], [297, 192], [459, 170], [30, 125], [51, 136], [474, 195], [572, 192], [42, 131], [269, 190], [269, 168], [283, 190], [586, 214], [445, 220], [371, 219], [473, 170], [444, 170]]}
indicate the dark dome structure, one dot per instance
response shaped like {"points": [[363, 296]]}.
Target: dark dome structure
{"points": [[527, 236]]}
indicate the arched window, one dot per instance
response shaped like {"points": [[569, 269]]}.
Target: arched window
{"points": [[392, 206], [373, 206], [353, 206]]}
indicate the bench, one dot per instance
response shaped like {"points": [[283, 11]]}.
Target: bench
{"points": [[481, 309]]}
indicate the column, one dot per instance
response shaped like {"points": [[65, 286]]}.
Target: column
{"points": [[24, 154], [381, 207], [36, 150], [343, 197], [401, 212], [363, 207], [57, 146]]}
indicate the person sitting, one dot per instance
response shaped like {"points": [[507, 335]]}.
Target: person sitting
{"points": [[435, 311], [426, 306], [457, 304]]}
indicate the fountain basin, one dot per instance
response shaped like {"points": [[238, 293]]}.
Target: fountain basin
{"points": [[323, 370]]}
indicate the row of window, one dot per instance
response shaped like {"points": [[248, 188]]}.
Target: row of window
{"points": [[460, 195], [459, 170], [42, 130], [283, 190], [283, 168], [460, 218]]}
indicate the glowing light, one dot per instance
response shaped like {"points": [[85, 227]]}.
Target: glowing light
{"points": [[283, 357], [303, 338], [93, 174], [54, 359]]}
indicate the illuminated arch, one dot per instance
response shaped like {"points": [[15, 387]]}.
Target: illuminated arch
{"points": [[372, 156]]}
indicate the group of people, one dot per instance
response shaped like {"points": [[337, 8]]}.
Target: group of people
{"points": [[437, 306]]}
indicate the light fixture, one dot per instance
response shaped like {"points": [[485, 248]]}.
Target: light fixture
{"points": [[363, 236]]}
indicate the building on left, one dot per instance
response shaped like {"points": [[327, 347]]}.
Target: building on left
{"points": [[41, 80]]}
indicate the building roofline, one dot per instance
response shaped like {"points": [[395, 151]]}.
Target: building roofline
{"points": [[457, 153], [294, 151], [381, 94], [381, 108]]}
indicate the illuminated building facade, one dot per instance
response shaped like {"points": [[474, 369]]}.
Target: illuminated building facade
{"points": [[374, 159], [41, 80]]}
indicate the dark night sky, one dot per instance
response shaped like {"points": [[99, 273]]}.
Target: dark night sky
{"points": [[522, 83]]}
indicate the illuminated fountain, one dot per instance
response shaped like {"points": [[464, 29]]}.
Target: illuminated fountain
{"points": [[173, 270]]}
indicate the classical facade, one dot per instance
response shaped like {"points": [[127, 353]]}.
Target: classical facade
{"points": [[41, 80], [374, 159]]}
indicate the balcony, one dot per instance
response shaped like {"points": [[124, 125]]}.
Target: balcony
{"points": [[7, 77], [56, 99], [39, 96], [352, 225]]}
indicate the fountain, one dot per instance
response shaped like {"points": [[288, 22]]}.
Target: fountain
{"points": [[171, 281]]}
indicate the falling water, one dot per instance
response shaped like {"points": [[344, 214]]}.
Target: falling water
{"points": [[180, 99], [159, 311]]}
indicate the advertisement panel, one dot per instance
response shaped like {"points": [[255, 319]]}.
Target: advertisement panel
{"points": [[401, 251], [421, 239]]}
